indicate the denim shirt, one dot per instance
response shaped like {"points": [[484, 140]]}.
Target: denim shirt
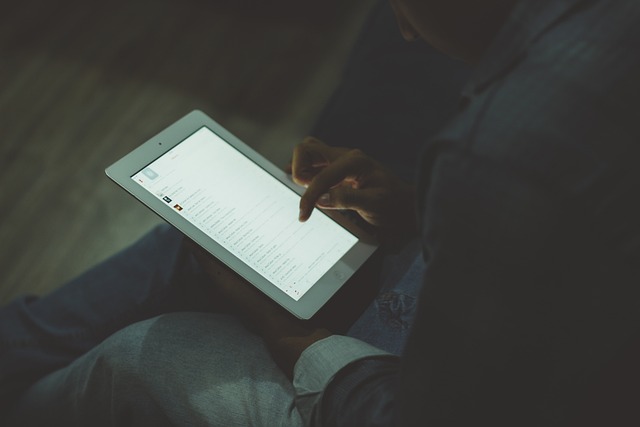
{"points": [[528, 202]]}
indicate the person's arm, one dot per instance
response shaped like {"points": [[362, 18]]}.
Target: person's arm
{"points": [[481, 350], [341, 381]]}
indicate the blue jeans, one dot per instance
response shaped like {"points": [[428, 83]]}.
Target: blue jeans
{"points": [[195, 369], [98, 346]]}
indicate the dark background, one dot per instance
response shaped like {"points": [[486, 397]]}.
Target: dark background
{"points": [[83, 82]]}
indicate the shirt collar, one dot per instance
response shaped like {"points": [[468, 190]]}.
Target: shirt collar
{"points": [[528, 20]]}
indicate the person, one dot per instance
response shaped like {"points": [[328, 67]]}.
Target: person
{"points": [[159, 275], [528, 311]]}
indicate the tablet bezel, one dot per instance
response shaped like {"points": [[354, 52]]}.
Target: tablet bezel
{"points": [[122, 171]]}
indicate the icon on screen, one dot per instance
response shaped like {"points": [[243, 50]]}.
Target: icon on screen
{"points": [[150, 173], [166, 199], [178, 208]]}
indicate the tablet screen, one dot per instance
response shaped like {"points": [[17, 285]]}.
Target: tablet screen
{"points": [[247, 211]]}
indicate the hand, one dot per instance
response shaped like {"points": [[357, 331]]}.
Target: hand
{"points": [[342, 178], [286, 337]]}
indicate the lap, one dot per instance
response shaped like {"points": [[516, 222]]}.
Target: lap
{"points": [[176, 369]]}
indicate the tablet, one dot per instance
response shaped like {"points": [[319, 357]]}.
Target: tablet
{"points": [[244, 211]]}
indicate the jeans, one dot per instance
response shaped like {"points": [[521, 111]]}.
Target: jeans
{"points": [[196, 369], [102, 347]]}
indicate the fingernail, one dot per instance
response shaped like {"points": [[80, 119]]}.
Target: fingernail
{"points": [[301, 217], [325, 200]]}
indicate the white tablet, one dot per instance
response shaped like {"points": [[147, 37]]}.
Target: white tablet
{"points": [[243, 210]]}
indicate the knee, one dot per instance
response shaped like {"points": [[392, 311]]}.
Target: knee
{"points": [[115, 382], [117, 361], [153, 354]]}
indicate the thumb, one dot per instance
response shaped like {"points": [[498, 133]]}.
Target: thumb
{"points": [[344, 197]]}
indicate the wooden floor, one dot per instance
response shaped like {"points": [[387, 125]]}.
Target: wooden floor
{"points": [[82, 83]]}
